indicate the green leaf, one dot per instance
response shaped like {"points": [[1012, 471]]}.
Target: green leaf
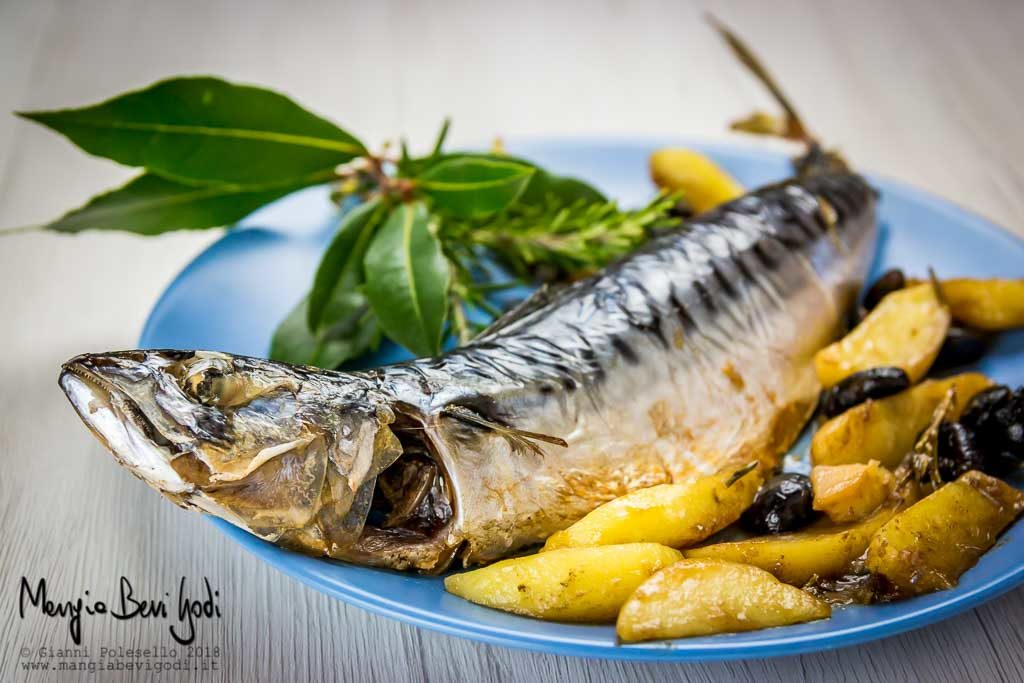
{"points": [[564, 189], [205, 130], [293, 342], [150, 205], [409, 167], [405, 166], [542, 187], [474, 186], [441, 136], [341, 267], [407, 278]]}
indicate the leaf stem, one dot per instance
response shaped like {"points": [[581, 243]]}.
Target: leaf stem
{"points": [[489, 308], [459, 320], [498, 286], [6, 232]]}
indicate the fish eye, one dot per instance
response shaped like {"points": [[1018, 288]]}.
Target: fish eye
{"points": [[206, 385], [215, 383], [211, 382]]}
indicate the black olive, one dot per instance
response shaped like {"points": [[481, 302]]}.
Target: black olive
{"points": [[996, 417], [980, 409], [1001, 463], [859, 387], [784, 503], [855, 316], [962, 346], [1011, 416], [957, 451], [1015, 434], [1004, 434], [887, 283]]}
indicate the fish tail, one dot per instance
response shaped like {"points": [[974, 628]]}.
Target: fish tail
{"points": [[816, 158]]}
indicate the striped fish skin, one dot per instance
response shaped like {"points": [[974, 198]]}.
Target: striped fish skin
{"points": [[689, 355]]}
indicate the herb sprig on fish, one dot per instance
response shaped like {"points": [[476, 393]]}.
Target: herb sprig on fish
{"points": [[419, 238]]}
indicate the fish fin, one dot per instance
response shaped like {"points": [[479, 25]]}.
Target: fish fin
{"points": [[519, 438]]}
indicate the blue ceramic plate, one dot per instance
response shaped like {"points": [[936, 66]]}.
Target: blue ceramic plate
{"points": [[232, 296]]}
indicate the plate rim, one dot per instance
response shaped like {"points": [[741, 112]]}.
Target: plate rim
{"points": [[674, 650], [669, 650]]}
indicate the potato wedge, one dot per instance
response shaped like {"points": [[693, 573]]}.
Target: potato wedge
{"points": [[929, 545], [704, 597], [849, 493], [905, 330], [571, 584], [676, 515], [701, 182], [794, 558], [885, 429], [992, 305]]}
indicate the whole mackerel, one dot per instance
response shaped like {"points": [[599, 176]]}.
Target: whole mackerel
{"points": [[689, 355]]}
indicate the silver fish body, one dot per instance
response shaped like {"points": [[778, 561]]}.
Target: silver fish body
{"points": [[691, 354]]}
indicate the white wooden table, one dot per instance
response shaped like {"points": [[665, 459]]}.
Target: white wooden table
{"points": [[930, 93]]}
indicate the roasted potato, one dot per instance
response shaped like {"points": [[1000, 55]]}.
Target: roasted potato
{"points": [[794, 558], [702, 183], [676, 515], [703, 597], [991, 305], [905, 330], [848, 493], [929, 545], [571, 584], [885, 429]]}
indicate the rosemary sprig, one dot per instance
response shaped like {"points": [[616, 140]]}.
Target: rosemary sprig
{"points": [[554, 241]]}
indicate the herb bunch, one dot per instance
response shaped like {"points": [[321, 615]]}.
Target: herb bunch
{"points": [[418, 238]]}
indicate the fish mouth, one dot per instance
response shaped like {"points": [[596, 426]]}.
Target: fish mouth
{"points": [[119, 423]]}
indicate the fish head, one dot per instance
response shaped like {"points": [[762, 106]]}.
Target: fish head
{"points": [[287, 452]]}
